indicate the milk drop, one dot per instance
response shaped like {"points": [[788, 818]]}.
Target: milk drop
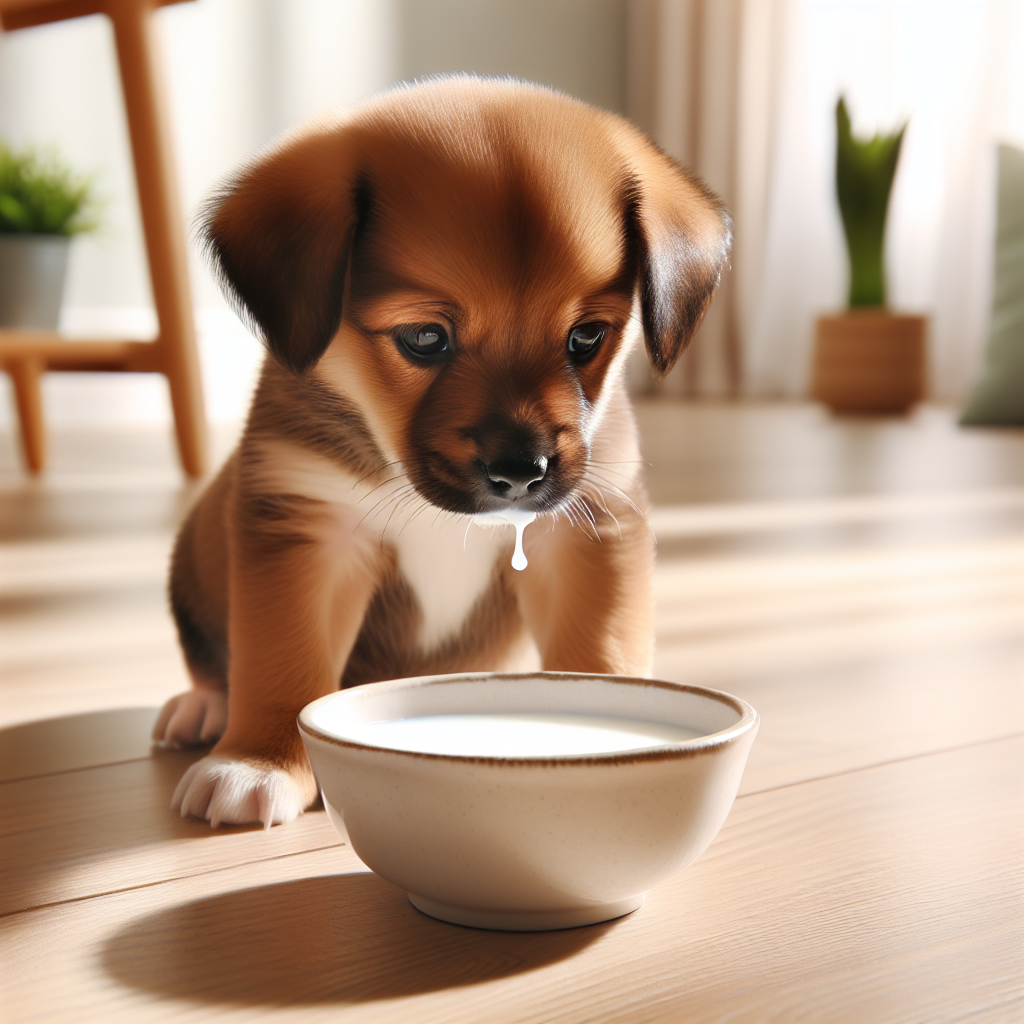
{"points": [[518, 518]]}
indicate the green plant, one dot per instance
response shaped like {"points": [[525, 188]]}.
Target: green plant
{"points": [[865, 169], [40, 194]]}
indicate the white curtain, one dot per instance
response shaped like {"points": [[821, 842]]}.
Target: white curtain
{"points": [[744, 91]]}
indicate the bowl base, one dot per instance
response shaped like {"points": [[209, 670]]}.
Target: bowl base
{"points": [[526, 920]]}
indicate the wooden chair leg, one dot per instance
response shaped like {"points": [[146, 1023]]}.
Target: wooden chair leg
{"points": [[139, 58], [26, 375]]}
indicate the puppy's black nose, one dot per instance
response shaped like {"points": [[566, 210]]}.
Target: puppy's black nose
{"points": [[512, 477]]}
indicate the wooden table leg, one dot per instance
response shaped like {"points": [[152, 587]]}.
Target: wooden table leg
{"points": [[140, 62], [26, 375]]}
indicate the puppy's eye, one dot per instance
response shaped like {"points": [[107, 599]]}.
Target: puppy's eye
{"points": [[584, 341], [424, 342]]}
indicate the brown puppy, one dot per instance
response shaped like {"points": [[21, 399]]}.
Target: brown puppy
{"points": [[448, 281]]}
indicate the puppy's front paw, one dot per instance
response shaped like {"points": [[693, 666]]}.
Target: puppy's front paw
{"points": [[192, 719], [224, 789]]}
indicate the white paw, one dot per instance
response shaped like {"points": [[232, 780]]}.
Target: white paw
{"points": [[192, 719], [223, 789]]}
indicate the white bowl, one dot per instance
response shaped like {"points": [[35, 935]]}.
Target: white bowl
{"points": [[528, 843]]}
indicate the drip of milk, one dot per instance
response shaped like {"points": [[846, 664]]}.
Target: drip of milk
{"points": [[517, 735], [518, 518]]}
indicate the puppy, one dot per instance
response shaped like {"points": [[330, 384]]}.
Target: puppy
{"points": [[448, 281]]}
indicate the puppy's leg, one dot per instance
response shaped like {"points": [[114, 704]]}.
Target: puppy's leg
{"points": [[300, 580], [198, 596], [192, 719], [199, 716], [588, 603]]}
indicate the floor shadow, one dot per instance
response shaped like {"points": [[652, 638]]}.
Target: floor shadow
{"points": [[73, 742], [80, 795], [333, 939]]}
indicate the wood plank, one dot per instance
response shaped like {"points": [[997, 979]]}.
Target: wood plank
{"points": [[62, 354], [875, 710], [15, 14], [86, 627], [33, 569], [113, 681], [80, 833], [673, 522], [55, 745], [887, 894], [768, 451], [852, 657]]}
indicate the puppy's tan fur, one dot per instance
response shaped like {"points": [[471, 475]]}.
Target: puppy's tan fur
{"points": [[337, 544]]}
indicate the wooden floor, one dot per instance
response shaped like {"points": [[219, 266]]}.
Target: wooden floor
{"points": [[861, 583]]}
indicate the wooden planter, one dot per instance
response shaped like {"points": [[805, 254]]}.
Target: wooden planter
{"points": [[869, 361]]}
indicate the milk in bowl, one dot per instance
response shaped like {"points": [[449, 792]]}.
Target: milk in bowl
{"points": [[518, 735]]}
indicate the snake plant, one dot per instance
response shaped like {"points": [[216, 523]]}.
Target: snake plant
{"points": [[865, 169]]}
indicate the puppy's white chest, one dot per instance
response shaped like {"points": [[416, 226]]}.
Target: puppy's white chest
{"points": [[447, 560], [448, 564]]}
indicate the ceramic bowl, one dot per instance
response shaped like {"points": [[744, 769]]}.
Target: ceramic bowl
{"points": [[529, 843]]}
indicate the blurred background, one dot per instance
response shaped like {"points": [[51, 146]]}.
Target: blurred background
{"points": [[742, 91]]}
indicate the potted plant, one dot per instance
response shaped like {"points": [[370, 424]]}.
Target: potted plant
{"points": [[867, 358], [42, 204]]}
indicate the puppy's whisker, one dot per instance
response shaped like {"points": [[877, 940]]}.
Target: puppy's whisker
{"points": [[599, 496], [621, 494], [377, 487], [384, 502], [589, 513], [587, 523], [379, 469], [597, 480], [595, 492], [400, 504], [410, 501], [618, 492], [423, 506], [619, 462], [399, 488], [607, 469]]}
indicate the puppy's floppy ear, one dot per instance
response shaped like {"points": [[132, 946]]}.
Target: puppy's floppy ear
{"points": [[279, 235], [681, 234]]}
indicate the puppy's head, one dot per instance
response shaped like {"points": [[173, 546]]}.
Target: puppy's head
{"points": [[463, 260]]}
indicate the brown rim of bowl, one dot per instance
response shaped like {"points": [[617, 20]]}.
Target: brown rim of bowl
{"points": [[685, 748]]}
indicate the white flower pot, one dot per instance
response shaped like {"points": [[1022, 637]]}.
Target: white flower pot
{"points": [[32, 273]]}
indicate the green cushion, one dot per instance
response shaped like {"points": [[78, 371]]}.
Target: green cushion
{"points": [[998, 398]]}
